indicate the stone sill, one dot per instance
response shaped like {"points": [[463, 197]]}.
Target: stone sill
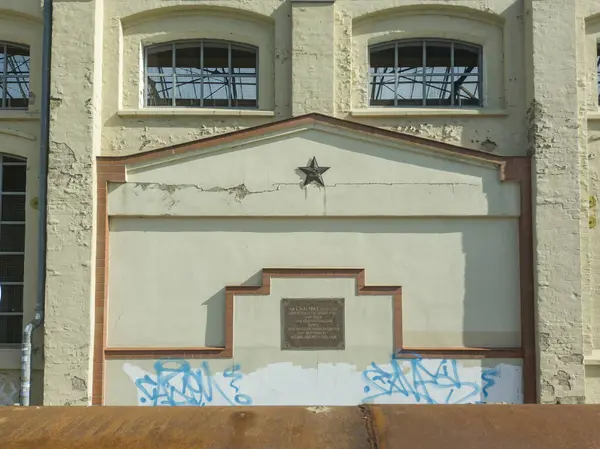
{"points": [[428, 112], [593, 115], [194, 112], [593, 358], [18, 115], [10, 357]]}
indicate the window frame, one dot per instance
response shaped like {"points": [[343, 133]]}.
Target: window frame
{"points": [[200, 43], [16, 161], [423, 42], [4, 76]]}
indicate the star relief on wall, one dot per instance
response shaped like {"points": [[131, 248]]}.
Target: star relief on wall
{"points": [[313, 172]]}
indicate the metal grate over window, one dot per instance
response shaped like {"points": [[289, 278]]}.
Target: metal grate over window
{"points": [[14, 76], [209, 74], [12, 247], [425, 72]]}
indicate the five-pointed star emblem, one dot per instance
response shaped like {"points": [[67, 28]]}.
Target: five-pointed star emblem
{"points": [[313, 173]]}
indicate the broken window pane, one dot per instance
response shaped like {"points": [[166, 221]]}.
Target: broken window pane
{"points": [[14, 76], [383, 90], [199, 74], [410, 59], [159, 61], [383, 61], [438, 58], [425, 73]]}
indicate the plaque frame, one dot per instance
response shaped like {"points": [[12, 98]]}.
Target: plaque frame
{"points": [[287, 345]]}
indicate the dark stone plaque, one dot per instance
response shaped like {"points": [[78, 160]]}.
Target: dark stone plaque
{"points": [[312, 323]]}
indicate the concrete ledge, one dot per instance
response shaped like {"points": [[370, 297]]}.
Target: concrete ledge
{"points": [[312, 1], [594, 115], [18, 115], [593, 358], [428, 112], [193, 112]]}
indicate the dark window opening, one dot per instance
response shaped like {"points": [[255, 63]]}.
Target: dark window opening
{"points": [[425, 73], [202, 74], [12, 247]]}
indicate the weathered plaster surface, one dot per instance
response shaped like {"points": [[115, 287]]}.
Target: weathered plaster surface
{"points": [[20, 22], [306, 75], [324, 384], [75, 111], [543, 106], [554, 122]]}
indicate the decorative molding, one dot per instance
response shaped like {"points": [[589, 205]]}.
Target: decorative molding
{"points": [[428, 112], [16, 115], [512, 169], [193, 112]]}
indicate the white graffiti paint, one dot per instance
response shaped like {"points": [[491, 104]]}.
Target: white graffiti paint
{"points": [[398, 382], [9, 389]]}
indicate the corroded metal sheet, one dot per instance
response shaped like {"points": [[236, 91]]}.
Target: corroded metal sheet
{"points": [[497, 426], [182, 427], [312, 323], [365, 427]]}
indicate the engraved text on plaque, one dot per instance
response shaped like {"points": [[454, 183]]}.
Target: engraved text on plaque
{"points": [[312, 323]]}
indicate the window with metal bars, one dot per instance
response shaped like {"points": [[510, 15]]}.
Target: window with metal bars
{"points": [[12, 247], [14, 76], [202, 74], [425, 72]]}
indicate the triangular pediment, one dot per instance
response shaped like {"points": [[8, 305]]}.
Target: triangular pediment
{"points": [[298, 139], [270, 158]]}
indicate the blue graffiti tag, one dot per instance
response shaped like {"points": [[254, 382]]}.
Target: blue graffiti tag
{"points": [[177, 384], [423, 384]]}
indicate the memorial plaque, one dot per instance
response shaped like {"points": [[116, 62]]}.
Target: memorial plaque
{"points": [[312, 324]]}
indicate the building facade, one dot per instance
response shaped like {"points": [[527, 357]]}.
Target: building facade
{"points": [[293, 202]]}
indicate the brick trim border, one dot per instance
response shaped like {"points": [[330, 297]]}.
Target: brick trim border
{"points": [[512, 169]]}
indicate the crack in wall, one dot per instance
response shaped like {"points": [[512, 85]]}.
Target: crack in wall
{"points": [[239, 192]]}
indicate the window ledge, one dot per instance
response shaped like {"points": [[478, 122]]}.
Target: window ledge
{"points": [[193, 112], [594, 115], [427, 112], [10, 357], [593, 358], [18, 115]]}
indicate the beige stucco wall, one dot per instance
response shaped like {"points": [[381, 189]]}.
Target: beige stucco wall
{"points": [[20, 22], [170, 261], [535, 104], [292, 57]]}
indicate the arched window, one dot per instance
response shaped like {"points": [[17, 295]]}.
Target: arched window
{"points": [[425, 72], [12, 247], [202, 74], [14, 76]]}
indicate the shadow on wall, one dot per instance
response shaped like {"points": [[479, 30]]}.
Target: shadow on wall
{"points": [[480, 315], [489, 246]]}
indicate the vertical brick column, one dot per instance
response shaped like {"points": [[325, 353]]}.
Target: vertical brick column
{"points": [[313, 57], [551, 42], [74, 141]]}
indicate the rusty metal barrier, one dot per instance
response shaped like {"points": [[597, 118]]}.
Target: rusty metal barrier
{"points": [[365, 427]]}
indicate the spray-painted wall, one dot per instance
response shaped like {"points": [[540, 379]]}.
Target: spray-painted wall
{"points": [[430, 381], [183, 228]]}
